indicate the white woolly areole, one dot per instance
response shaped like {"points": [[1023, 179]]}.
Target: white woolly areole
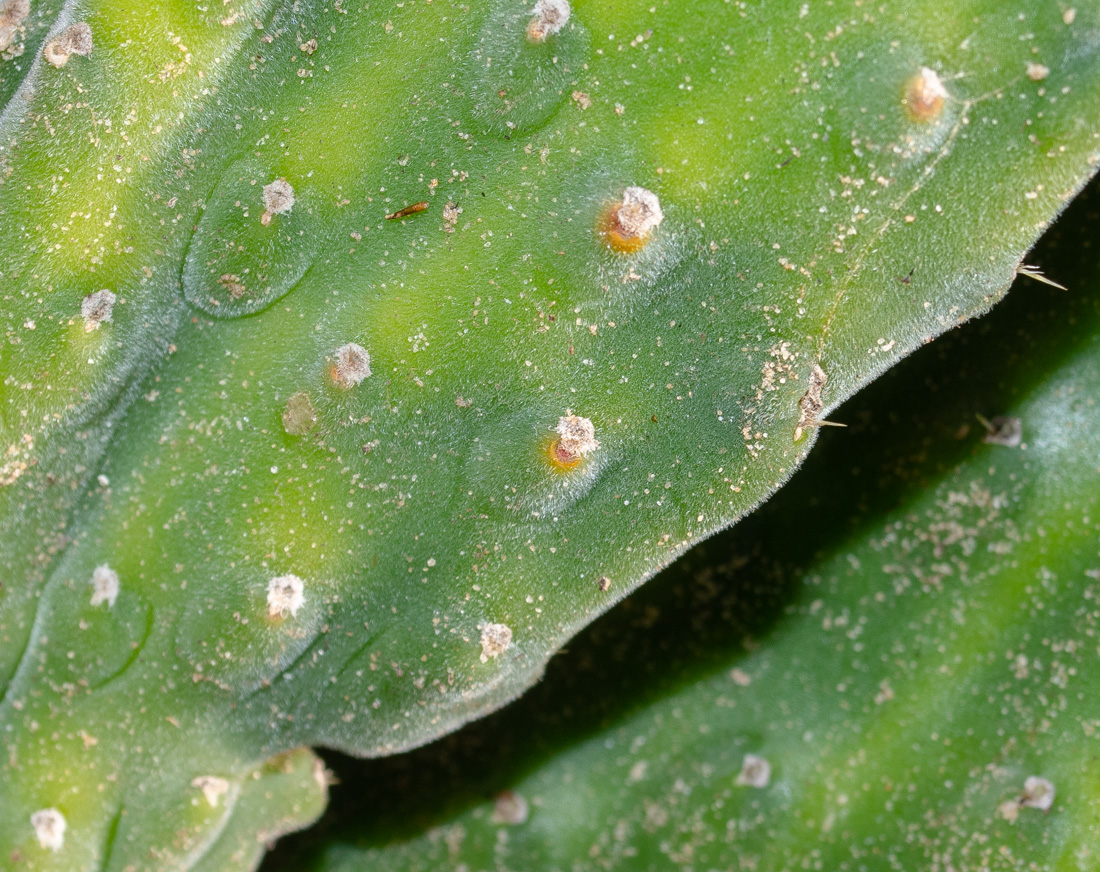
{"points": [[495, 640], [1038, 793], [577, 436], [75, 39], [926, 95], [755, 772], [547, 18], [212, 787], [49, 825], [97, 308], [1004, 430], [932, 85], [352, 365], [640, 212], [285, 594], [12, 14], [105, 586], [510, 808], [278, 198]]}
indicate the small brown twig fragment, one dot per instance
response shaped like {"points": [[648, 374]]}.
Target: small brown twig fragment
{"points": [[408, 210]]}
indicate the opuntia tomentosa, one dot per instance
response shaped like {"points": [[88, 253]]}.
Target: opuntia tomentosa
{"points": [[288, 457]]}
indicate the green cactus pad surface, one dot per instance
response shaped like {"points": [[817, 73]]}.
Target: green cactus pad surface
{"points": [[604, 279], [892, 666]]}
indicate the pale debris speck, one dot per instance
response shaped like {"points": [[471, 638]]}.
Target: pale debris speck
{"points": [[352, 365], [75, 39], [97, 308], [495, 640], [1038, 793], [509, 808], [1009, 810], [755, 772], [640, 212], [212, 787], [576, 436], [49, 825], [547, 18], [105, 586], [1037, 72], [450, 217], [299, 416], [278, 198], [285, 594]]}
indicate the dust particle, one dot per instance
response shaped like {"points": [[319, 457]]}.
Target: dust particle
{"points": [[925, 95], [1037, 72], [278, 199], [97, 308], [17, 459], [755, 772], [232, 283], [1009, 810], [740, 677], [212, 787], [450, 217], [582, 99], [49, 825], [1069, 16], [495, 640], [547, 18], [105, 586], [285, 594], [352, 365], [298, 416], [509, 808], [75, 39], [12, 15]]}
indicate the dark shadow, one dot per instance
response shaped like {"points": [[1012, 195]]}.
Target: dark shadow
{"points": [[906, 430]]}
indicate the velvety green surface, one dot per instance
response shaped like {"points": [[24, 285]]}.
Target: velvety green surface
{"points": [[810, 219], [907, 633]]}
